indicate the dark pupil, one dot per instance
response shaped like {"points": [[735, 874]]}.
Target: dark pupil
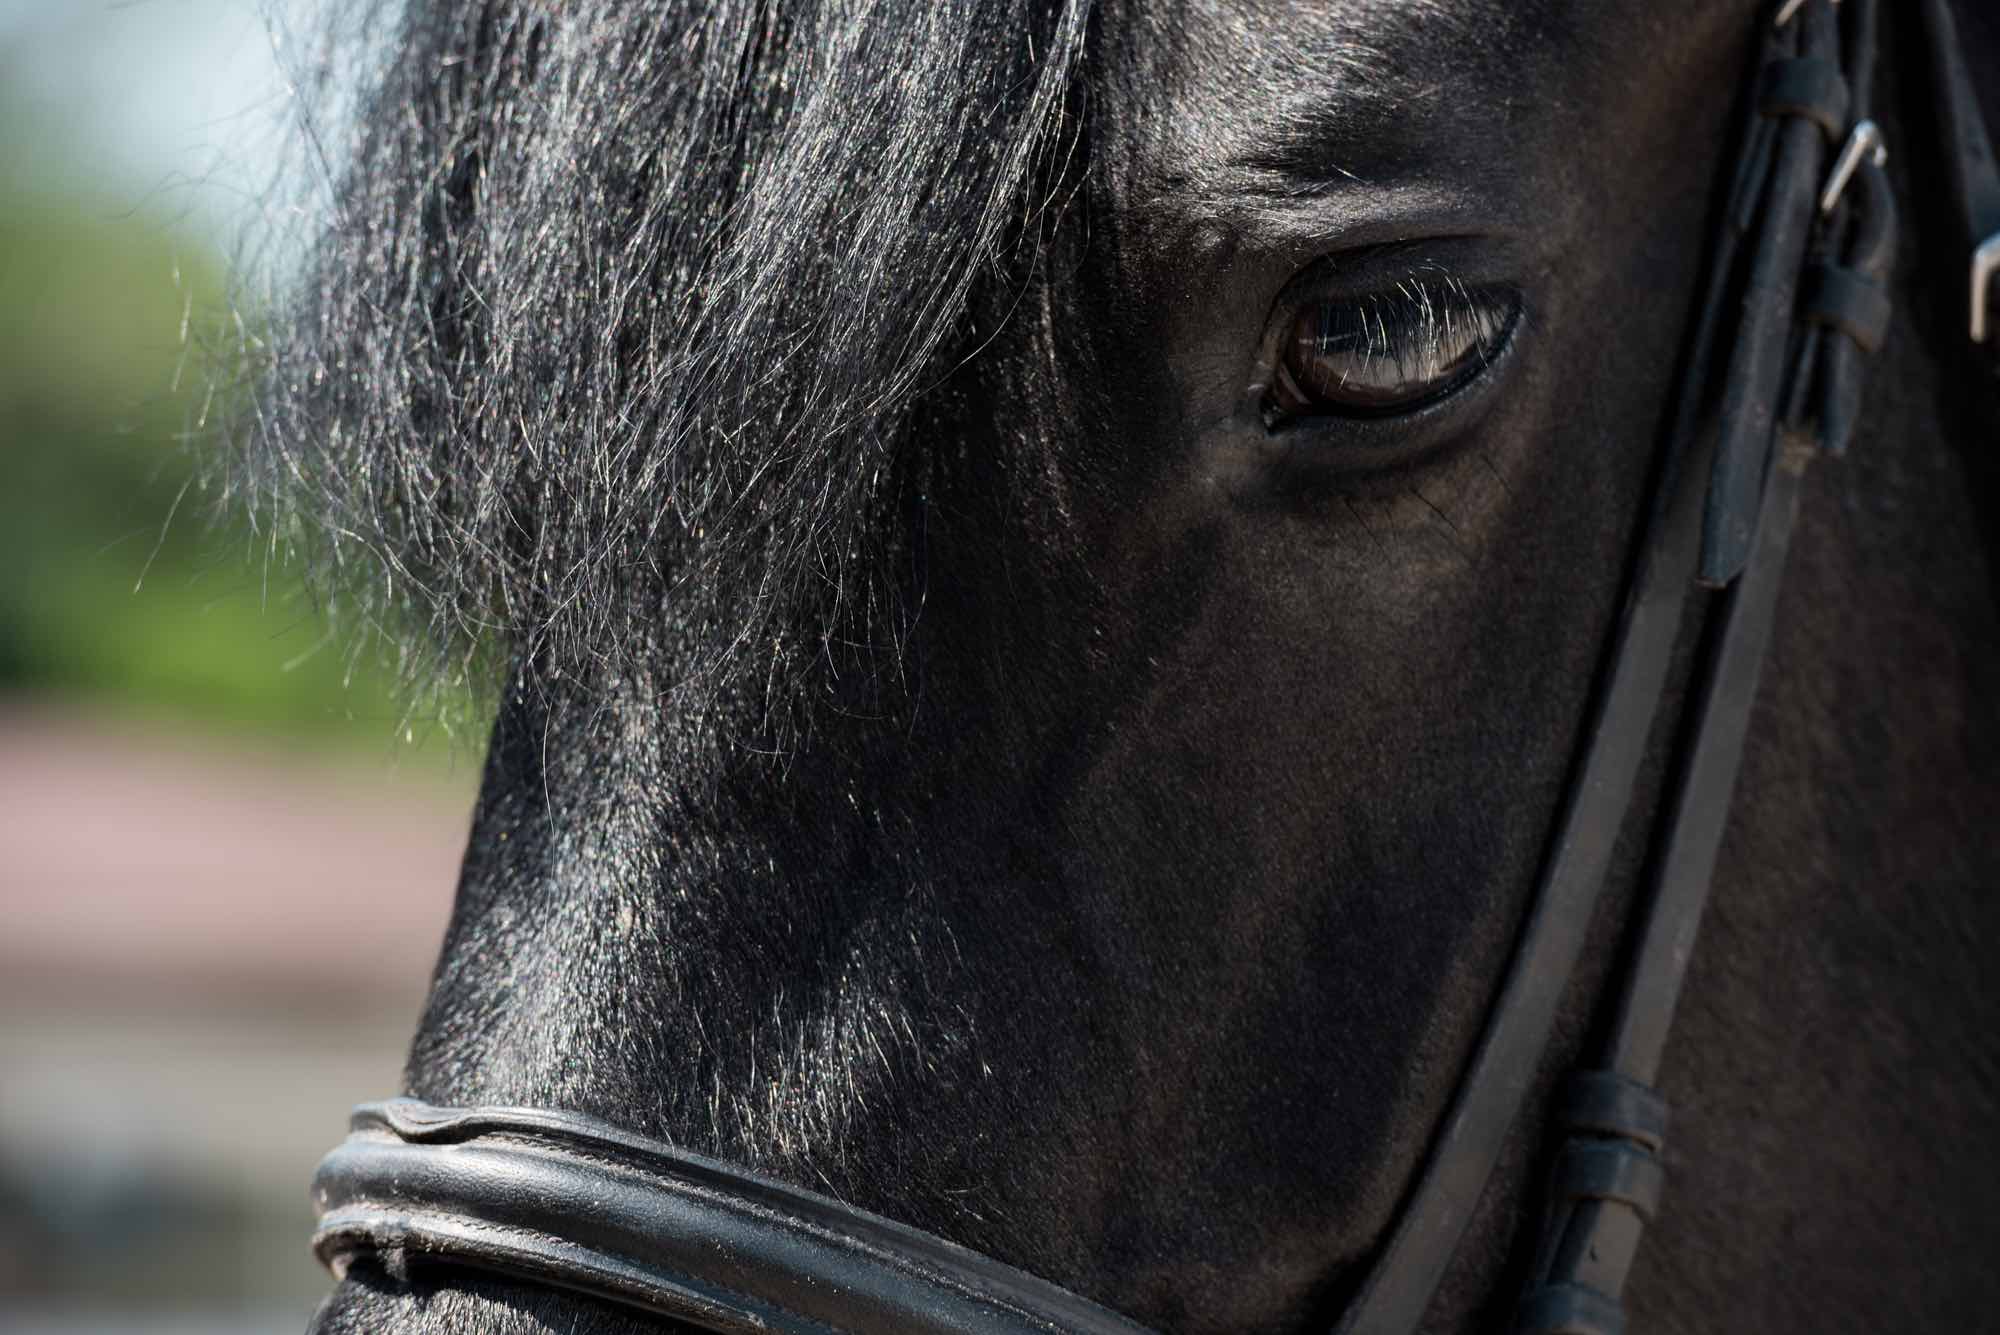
{"points": [[1384, 353]]}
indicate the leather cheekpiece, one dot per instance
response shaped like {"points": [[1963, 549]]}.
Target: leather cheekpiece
{"points": [[1809, 86], [1610, 1170], [1567, 1309], [1604, 1103]]}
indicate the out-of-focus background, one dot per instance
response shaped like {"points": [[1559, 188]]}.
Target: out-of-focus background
{"points": [[225, 860]]}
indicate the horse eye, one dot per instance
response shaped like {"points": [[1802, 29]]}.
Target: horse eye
{"points": [[1386, 353]]}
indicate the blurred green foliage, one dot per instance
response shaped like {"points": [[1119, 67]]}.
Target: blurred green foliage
{"points": [[120, 584]]}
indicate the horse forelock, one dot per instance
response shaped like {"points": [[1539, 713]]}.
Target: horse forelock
{"points": [[610, 350]]}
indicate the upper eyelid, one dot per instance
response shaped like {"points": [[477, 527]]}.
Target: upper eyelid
{"points": [[1499, 304], [1425, 294], [1379, 267]]}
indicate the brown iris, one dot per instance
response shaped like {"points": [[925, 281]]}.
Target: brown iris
{"points": [[1384, 353]]}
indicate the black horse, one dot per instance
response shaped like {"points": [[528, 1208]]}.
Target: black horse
{"points": [[1052, 561]]}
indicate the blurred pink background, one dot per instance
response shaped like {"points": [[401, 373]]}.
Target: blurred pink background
{"points": [[225, 865], [207, 951]]}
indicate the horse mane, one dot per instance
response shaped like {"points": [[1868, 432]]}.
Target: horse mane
{"points": [[609, 349]]}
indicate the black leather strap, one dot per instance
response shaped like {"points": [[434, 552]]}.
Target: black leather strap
{"points": [[1606, 1169], [1570, 1310], [1751, 389], [1609, 1174], [567, 1200], [1775, 188], [1591, 1235], [1811, 87], [1605, 1103], [1847, 301], [1393, 1296], [1969, 162]]}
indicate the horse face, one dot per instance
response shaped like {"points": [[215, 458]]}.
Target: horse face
{"points": [[1250, 715], [1262, 546]]}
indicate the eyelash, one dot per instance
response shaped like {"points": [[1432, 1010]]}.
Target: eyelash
{"points": [[1431, 334]]}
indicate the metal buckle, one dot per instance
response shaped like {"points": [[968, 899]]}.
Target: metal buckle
{"points": [[1865, 135], [1985, 264]]}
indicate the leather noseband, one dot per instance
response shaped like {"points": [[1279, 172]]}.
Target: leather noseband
{"points": [[572, 1201]]}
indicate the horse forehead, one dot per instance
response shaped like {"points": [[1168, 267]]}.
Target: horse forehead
{"points": [[1371, 41], [1378, 89], [1344, 20], [1223, 99], [1413, 27], [1212, 78]]}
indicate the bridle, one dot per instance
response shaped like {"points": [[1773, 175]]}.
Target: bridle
{"points": [[1796, 297]]}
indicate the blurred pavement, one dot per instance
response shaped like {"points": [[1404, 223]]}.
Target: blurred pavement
{"points": [[223, 878], [208, 951]]}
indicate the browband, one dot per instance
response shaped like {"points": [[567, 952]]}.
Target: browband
{"points": [[572, 1201]]}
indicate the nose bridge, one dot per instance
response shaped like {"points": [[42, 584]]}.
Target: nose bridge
{"points": [[654, 920]]}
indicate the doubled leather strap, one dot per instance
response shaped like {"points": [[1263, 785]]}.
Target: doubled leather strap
{"points": [[1810, 87], [1974, 175], [1790, 143], [1615, 1122], [566, 1200], [1788, 373]]}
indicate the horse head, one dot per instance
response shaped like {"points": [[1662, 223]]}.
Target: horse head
{"points": [[1052, 564]]}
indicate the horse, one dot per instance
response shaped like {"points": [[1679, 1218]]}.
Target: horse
{"points": [[1045, 567]]}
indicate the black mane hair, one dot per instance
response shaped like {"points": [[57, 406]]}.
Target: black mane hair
{"points": [[610, 350]]}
